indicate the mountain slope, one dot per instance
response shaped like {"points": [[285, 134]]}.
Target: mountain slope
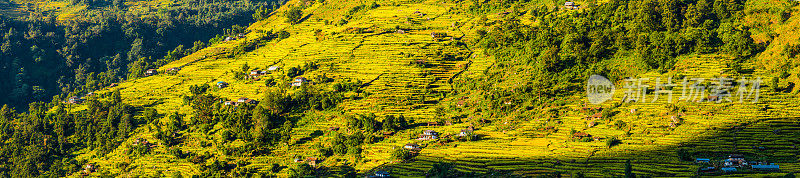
{"points": [[405, 70]]}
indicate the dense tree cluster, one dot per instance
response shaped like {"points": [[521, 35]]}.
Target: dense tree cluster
{"points": [[42, 57], [566, 46], [41, 141]]}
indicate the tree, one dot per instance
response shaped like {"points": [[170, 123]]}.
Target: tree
{"points": [[301, 170], [441, 170], [612, 141], [629, 170], [294, 15], [401, 154]]}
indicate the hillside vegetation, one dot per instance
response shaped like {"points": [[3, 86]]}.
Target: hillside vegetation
{"points": [[382, 72]]}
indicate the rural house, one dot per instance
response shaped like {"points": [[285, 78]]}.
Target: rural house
{"points": [[579, 135], [769, 167], [312, 161], [571, 6], [299, 81], [75, 100], [150, 72], [702, 160], [382, 174], [88, 168], [429, 135], [466, 132], [222, 84], [411, 146]]}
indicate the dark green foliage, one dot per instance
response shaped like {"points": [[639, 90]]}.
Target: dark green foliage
{"points": [[301, 170], [684, 154], [401, 154], [41, 142], [612, 141], [43, 57], [294, 15], [629, 170]]}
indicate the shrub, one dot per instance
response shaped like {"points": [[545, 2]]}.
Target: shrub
{"points": [[612, 141]]}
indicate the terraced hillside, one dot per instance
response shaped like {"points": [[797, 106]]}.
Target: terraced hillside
{"points": [[411, 58]]}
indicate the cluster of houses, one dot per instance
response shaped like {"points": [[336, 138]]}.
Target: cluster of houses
{"points": [[311, 161], [143, 142], [241, 100], [231, 38], [151, 72], [255, 74], [734, 163]]}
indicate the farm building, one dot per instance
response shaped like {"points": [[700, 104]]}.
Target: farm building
{"points": [[466, 132], [596, 116], [88, 168], [429, 135], [411, 146], [770, 167], [312, 161], [75, 100], [222, 84], [571, 6], [734, 160], [382, 174], [299, 81], [228, 103], [580, 135], [728, 169], [150, 72]]}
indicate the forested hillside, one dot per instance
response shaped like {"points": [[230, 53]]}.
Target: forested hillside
{"points": [[410, 88], [44, 54]]}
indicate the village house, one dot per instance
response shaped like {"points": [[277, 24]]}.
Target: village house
{"points": [[466, 132], [150, 72], [580, 135], [734, 160], [312, 161], [596, 116], [728, 169], [222, 84], [88, 168], [767, 167], [571, 6], [382, 174], [387, 134], [411, 146], [229, 103], [429, 135], [299, 81], [75, 100]]}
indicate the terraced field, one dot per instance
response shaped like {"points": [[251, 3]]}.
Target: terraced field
{"points": [[408, 72]]}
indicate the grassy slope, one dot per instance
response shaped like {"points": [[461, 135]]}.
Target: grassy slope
{"points": [[384, 56]]}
